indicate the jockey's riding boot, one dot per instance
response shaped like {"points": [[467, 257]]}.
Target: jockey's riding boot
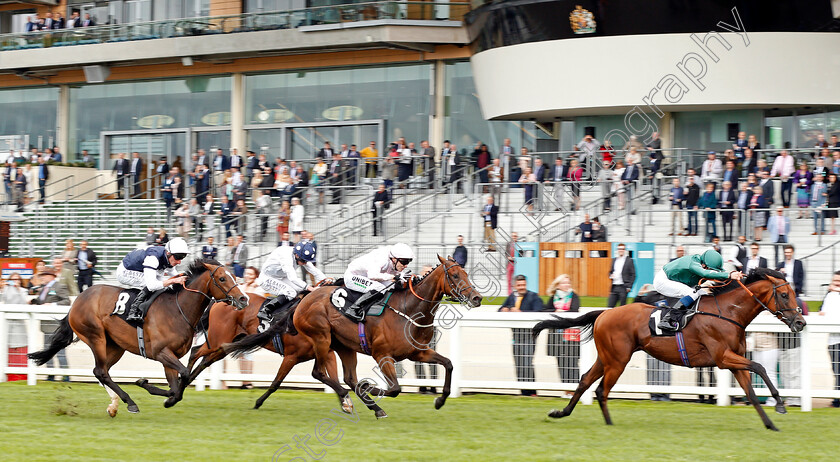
{"points": [[671, 319], [359, 309], [135, 314], [270, 306]]}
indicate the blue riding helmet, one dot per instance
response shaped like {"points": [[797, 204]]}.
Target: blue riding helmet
{"points": [[305, 251]]}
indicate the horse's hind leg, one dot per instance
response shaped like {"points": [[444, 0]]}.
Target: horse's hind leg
{"points": [[593, 374], [289, 361], [348, 363], [611, 374], [106, 355]]}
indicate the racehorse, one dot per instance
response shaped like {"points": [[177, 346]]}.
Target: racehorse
{"points": [[715, 336], [226, 324], [169, 328], [403, 331]]}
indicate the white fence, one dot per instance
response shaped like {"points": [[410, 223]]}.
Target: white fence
{"points": [[478, 342]]}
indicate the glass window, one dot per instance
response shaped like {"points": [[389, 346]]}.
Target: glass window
{"points": [[34, 112], [177, 103], [398, 94], [465, 125], [778, 130], [709, 130]]}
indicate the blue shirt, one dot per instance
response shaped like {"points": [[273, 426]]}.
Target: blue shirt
{"points": [[138, 259]]}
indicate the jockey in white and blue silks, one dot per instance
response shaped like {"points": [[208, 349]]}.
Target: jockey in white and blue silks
{"points": [[279, 275], [151, 269], [373, 272]]}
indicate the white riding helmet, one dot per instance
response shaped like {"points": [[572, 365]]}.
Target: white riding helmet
{"points": [[178, 247], [400, 250]]}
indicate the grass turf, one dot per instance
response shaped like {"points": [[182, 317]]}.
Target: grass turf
{"points": [[38, 425]]}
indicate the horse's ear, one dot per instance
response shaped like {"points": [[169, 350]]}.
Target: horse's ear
{"points": [[440, 258]]}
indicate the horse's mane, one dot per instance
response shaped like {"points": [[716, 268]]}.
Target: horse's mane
{"points": [[755, 275], [423, 278], [197, 268]]}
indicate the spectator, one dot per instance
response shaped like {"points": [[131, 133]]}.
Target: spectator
{"points": [[511, 252], [676, 198], [52, 291], [489, 214], [209, 251], [136, 170], [731, 174], [692, 197], [460, 253], [727, 202], [240, 212], [575, 177], [633, 143], [369, 153], [43, 177], [748, 165], [122, 169], [523, 300], [757, 203], [283, 217], [585, 229], [66, 277], [239, 257], [608, 153], [86, 264], [14, 294], [482, 161], [618, 189], [497, 177], [817, 201], [708, 202], [404, 162], [151, 236], [599, 232], [166, 189], [783, 167], [754, 261], [162, 238], [606, 177], [768, 189], [743, 203], [802, 180], [381, 202], [564, 344], [337, 174], [793, 270], [209, 213], [529, 181], [296, 219], [88, 21], [832, 195], [740, 145], [623, 275], [29, 175], [19, 190], [559, 175], [587, 146], [263, 203], [427, 154], [655, 153], [737, 255], [712, 169], [184, 221], [831, 309], [633, 155], [779, 229], [628, 181], [506, 154]]}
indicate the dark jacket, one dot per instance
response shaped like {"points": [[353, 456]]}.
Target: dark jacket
{"points": [[798, 275], [630, 174], [762, 262], [531, 302], [382, 196], [460, 255], [693, 196], [494, 212], [91, 257], [628, 273]]}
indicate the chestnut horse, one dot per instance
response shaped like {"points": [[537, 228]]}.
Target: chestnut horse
{"points": [[169, 328], [715, 336], [403, 331], [227, 324]]}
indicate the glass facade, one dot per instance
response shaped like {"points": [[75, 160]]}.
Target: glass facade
{"points": [[708, 130], [177, 103], [29, 117], [465, 125], [399, 95]]}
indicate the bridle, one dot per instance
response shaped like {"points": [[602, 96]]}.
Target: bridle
{"points": [[227, 299], [779, 313], [454, 289]]}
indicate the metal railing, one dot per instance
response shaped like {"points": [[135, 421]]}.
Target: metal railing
{"points": [[247, 22]]}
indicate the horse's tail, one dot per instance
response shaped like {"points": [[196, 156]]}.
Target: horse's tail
{"points": [[61, 339], [284, 324], [585, 323]]}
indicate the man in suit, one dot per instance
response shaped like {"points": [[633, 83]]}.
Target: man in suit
{"points": [[754, 261], [455, 168], [136, 170], [727, 202], [778, 226], [58, 21], [33, 24], [221, 162], [86, 261], [285, 240], [523, 300], [559, 174], [692, 196], [489, 217], [768, 190], [381, 202], [52, 290], [19, 189], [629, 179], [226, 211], [793, 270], [327, 151], [202, 183], [655, 153], [43, 176], [428, 155], [336, 176], [731, 175], [162, 169], [209, 251], [49, 23], [623, 275], [74, 21], [239, 257], [202, 158], [251, 163], [88, 21], [235, 162], [737, 255]]}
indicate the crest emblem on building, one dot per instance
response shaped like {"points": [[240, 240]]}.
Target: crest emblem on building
{"points": [[582, 21]]}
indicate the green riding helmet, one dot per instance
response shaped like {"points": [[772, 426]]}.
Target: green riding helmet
{"points": [[712, 259]]}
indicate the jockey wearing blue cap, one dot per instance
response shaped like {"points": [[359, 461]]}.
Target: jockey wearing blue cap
{"points": [[279, 276]]}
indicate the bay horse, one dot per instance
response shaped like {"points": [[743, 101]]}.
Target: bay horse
{"points": [[395, 335], [226, 324], [169, 328], [715, 336]]}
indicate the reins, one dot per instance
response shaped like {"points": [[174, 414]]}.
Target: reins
{"points": [[777, 313], [206, 296]]}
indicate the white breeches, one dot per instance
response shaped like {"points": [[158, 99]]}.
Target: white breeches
{"points": [[670, 288], [130, 278], [276, 286], [362, 284]]}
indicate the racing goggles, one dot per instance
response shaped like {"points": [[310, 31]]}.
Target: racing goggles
{"points": [[404, 261], [179, 256]]}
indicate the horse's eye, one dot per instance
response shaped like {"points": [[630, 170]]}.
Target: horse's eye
{"points": [[784, 295], [222, 279], [457, 276]]}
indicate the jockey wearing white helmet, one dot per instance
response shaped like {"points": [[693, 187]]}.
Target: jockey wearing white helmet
{"points": [[371, 272], [151, 269]]}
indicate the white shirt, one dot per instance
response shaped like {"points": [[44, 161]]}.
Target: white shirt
{"points": [[281, 265], [831, 308], [733, 256], [788, 270], [616, 272], [375, 265], [752, 263]]}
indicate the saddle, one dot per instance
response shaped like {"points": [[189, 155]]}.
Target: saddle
{"points": [[126, 299], [345, 300]]}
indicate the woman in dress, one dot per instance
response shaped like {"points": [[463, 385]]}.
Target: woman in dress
{"points": [[296, 219], [618, 188], [833, 199], [283, 220], [319, 176], [564, 344], [802, 180], [528, 180]]}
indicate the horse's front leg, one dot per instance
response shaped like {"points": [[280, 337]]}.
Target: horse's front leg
{"points": [[432, 356], [387, 365], [173, 364], [733, 361]]}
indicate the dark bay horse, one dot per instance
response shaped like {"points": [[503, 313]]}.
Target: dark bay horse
{"points": [[714, 337], [169, 328], [227, 324], [403, 331]]}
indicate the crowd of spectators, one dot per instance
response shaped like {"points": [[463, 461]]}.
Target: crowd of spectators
{"points": [[27, 173], [56, 21]]}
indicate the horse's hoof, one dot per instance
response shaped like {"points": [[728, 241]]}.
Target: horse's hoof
{"points": [[780, 408], [141, 383], [772, 427], [257, 405], [132, 408], [439, 402], [112, 411], [347, 405], [169, 403], [380, 414], [556, 414]]}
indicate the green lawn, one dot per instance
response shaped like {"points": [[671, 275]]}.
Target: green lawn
{"points": [[220, 425]]}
